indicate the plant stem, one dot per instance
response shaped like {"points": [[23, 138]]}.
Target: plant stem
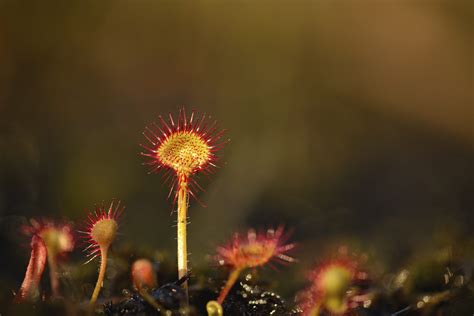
{"points": [[53, 275], [315, 310], [182, 222], [233, 277], [214, 309], [147, 297], [29, 290], [100, 279]]}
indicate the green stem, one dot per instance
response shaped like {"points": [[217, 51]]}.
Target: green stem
{"points": [[53, 275], [233, 277], [181, 234], [147, 297], [100, 279]]}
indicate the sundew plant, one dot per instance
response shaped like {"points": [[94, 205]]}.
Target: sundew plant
{"points": [[183, 147], [119, 276]]}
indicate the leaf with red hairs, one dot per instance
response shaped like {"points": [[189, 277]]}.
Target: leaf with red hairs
{"points": [[29, 290]]}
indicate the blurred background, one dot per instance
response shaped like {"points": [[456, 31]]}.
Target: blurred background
{"points": [[351, 122]]}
